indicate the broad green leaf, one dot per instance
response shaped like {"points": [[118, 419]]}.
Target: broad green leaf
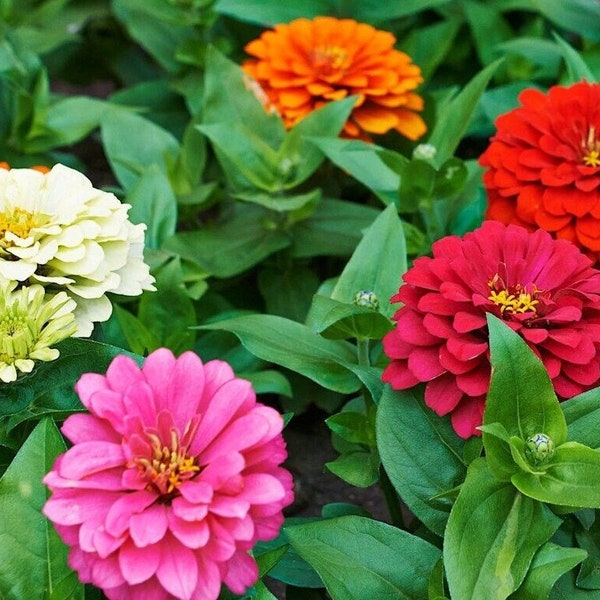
{"points": [[246, 153], [436, 589], [169, 312], [338, 320], [362, 161], [33, 558], [377, 264], [549, 563], [159, 27], [570, 478], [376, 12], [297, 149], [359, 468], [269, 381], [492, 535], [153, 203], [421, 454], [580, 16], [50, 387], [360, 558], [521, 398], [65, 122], [272, 13], [582, 414], [231, 246], [272, 338], [577, 69], [228, 98], [454, 122], [280, 202], [144, 145], [140, 338], [589, 540], [334, 229]]}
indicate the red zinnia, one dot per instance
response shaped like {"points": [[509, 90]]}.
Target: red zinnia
{"points": [[305, 64], [544, 289], [544, 165]]}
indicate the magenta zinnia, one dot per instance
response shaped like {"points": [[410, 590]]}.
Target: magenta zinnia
{"points": [[172, 478], [544, 289]]}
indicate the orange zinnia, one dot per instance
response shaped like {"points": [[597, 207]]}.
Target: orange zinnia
{"points": [[543, 165], [305, 64]]}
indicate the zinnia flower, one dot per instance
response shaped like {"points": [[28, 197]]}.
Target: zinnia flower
{"points": [[57, 230], [30, 323], [543, 165], [171, 480], [544, 289], [305, 64]]}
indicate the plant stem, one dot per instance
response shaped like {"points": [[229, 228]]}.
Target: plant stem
{"points": [[362, 348]]}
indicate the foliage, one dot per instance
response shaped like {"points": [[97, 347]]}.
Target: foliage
{"points": [[278, 251]]}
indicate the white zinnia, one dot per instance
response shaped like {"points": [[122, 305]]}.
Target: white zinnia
{"points": [[56, 229], [30, 323]]}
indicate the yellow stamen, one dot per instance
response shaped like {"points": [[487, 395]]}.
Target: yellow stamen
{"points": [[511, 303], [168, 467], [19, 222], [329, 58], [591, 149]]}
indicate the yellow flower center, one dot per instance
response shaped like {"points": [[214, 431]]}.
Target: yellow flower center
{"points": [[168, 467], [513, 300], [328, 59], [591, 149], [19, 222]]}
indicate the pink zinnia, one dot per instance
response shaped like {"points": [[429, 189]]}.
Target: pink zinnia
{"points": [[172, 478], [544, 289]]}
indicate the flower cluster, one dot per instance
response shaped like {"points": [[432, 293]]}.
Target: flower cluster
{"points": [[60, 235], [305, 64], [545, 289], [543, 165], [172, 478]]}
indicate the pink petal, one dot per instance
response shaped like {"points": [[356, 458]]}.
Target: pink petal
{"points": [[242, 572], [122, 372], [192, 534], [157, 371], [82, 427], [228, 506], [187, 385], [86, 458], [178, 569], [209, 577], [120, 513], [72, 507], [220, 470], [138, 401], [200, 491], [138, 564], [261, 488], [88, 384], [148, 526]]}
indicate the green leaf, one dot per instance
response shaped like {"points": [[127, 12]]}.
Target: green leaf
{"points": [[140, 338], [272, 13], [153, 203], [569, 479], [144, 145], [549, 563], [231, 246], [360, 558], [228, 99], [577, 69], [579, 16], [589, 540], [269, 382], [337, 320], [377, 264], [33, 556], [270, 337], [359, 468], [362, 161], [582, 414], [521, 398], [421, 454], [492, 535], [333, 229], [297, 149], [454, 122]]}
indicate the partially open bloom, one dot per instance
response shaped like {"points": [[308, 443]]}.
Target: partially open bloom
{"points": [[544, 289], [172, 478], [543, 164], [57, 230], [30, 324], [305, 64]]}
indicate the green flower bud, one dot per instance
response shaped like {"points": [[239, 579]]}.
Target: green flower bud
{"points": [[425, 152], [539, 448], [367, 299]]}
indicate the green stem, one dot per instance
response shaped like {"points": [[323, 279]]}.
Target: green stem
{"points": [[362, 348], [391, 498]]}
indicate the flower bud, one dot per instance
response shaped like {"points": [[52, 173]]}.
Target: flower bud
{"points": [[425, 152], [539, 448], [367, 299]]}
